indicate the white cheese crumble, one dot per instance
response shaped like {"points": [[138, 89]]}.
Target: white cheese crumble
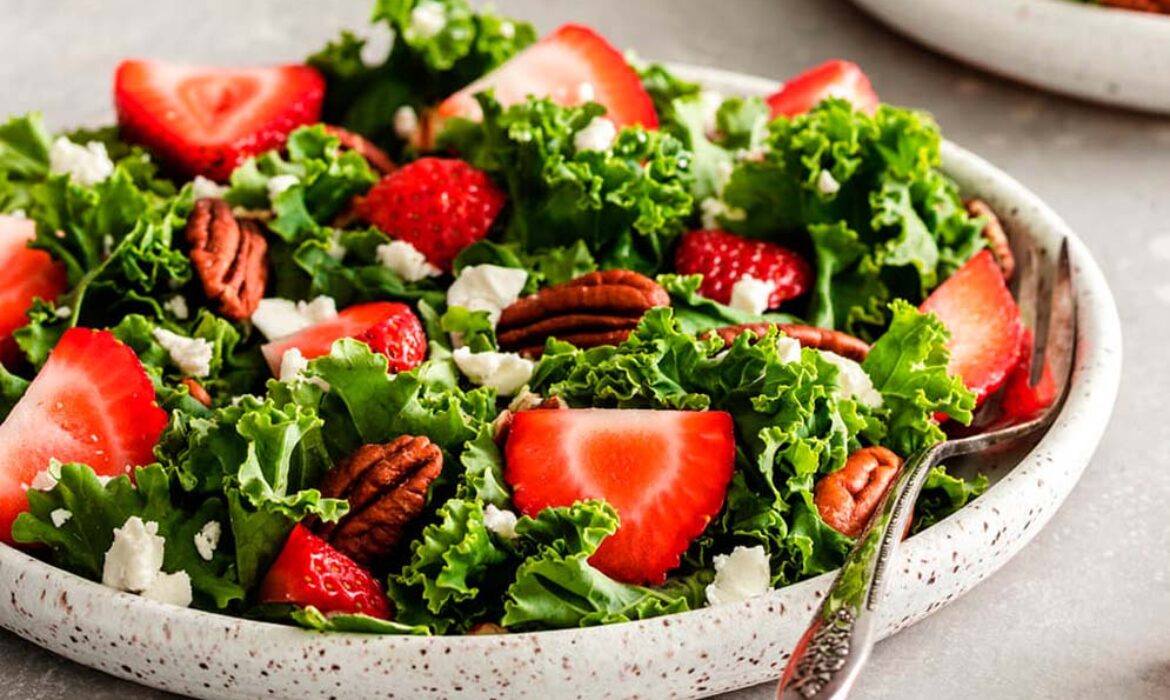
{"points": [[177, 305], [279, 318], [598, 135], [713, 209], [191, 355], [107, 245], [63, 312], [525, 400], [489, 288], [743, 574], [506, 372], [405, 122], [507, 30], [207, 539], [788, 349], [827, 184], [427, 20], [406, 261], [279, 184], [853, 381], [135, 558], [292, 368], [174, 589], [585, 92], [60, 516], [751, 295], [500, 521], [205, 188], [709, 102], [87, 165], [46, 479], [335, 249]]}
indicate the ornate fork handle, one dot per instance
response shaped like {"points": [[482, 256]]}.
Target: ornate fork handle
{"points": [[829, 657]]}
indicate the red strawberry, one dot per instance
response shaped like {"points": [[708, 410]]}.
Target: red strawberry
{"points": [[438, 205], [203, 120], [571, 66], [1020, 399], [311, 572], [978, 309], [25, 274], [830, 79], [724, 258], [665, 472], [93, 403], [387, 327]]}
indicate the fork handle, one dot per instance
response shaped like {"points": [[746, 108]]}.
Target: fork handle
{"points": [[827, 660]]}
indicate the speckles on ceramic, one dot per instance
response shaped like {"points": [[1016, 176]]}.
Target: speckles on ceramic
{"points": [[1102, 54], [690, 655]]}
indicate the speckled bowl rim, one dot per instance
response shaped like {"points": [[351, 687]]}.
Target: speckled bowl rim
{"points": [[37, 600], [1102, 54]]}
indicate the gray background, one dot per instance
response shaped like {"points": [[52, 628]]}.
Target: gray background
{"points": [[1083, 612]]}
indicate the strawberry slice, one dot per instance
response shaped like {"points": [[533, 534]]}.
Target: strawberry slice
{"points": [[25, 274], [387, 327], [665, 472], [830, 79], [724, 258], [978, 309], [311, 572], [571, 66], [93, 403], [202, 120], [1020, 398]]}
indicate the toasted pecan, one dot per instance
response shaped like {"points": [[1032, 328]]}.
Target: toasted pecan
{"points": [[847, 498], [386, 487], [230, 256], [808, 336]]}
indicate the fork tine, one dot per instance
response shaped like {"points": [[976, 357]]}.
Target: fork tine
{"points": [[1060, 332], [1028, 287]]}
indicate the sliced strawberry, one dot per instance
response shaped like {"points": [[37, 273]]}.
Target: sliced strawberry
{"points": [[830, 79], [387, 327], [311, 572], [978, 309], [571, 66], [25, 274], [203, 120], [93, 403], [724, 259], [438, 205], [665, 472], [1020, 398]]}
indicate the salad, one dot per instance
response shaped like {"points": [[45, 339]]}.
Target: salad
{"points": [[493, 332]]}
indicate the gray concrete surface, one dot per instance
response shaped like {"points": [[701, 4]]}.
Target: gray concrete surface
{"points": [[1084, 611]]}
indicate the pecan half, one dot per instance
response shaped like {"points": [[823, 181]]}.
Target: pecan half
{"points": [[847, 498], [375, 156], [230, 256], [808, 336], [600, 308], [996, 237], [386, 486]]}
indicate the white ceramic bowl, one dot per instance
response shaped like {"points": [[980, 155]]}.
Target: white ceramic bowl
{"points": [[1117, 57], [688, 655]]}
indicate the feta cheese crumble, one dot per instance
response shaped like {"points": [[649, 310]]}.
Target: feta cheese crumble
{"points": [[853, 381], [86, 165], [427, 20], [177, 305], [60, 516], [46, 479], [585, 92], [63, 312], [712, 210], [206, 188], [135, 558], [827, 184], [500, 521], [207, 539], [191, 355], [279, 318], [406, 261], [489, 288], [788, 349], [506, 372], [751, 295], [598, 135], [279, 184], [405, 122], [174, 589], [335, 249], [743, 574]]}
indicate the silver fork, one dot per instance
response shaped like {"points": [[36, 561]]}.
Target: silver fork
{"points": [[830, 655]]}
